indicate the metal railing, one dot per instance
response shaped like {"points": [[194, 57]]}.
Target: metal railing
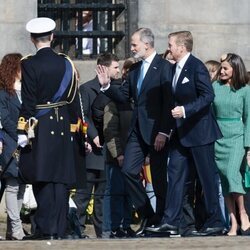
{"points": [[107, 32]]}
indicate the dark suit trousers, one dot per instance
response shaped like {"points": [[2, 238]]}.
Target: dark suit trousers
{"points": [[52, 208], [134, 157], [95, 183], [181, 159]]}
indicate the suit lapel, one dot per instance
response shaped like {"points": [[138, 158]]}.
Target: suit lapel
{"points": [[95, 86], [152, 70], [184, 72]]}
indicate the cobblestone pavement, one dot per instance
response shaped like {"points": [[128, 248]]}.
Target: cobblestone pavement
{"points": [[204, 243], [221, 243]]}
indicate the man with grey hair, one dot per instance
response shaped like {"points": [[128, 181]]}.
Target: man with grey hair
{"points": [[149, 85]]}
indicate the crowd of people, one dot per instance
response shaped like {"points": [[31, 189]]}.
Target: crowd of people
{"points": [[184, 123]]}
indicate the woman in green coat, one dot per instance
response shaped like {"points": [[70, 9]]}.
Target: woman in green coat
{"points": [[231, 106]]}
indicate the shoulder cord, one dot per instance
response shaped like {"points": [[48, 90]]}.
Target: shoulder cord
{"points": [[81, 105]]}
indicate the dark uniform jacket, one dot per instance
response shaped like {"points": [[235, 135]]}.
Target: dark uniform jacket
{"points": [[50, 157]]}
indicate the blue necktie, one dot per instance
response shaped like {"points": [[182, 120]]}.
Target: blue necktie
{"points": [[141, 77]]}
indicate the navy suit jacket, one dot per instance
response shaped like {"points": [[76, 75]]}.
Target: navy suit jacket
{"points": [[194, 91], [152, 104]]}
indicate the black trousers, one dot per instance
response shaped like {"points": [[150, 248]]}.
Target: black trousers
{"points": [[95, 183], [52, 208], [134, 157]]}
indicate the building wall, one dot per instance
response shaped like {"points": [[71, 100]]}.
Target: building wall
{"points": [[14, 15], [218, 27]]}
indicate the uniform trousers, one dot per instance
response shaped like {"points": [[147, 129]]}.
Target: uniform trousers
{"points": [[52, 208]]}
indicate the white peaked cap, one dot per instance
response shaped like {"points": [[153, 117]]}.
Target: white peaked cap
{"points": [[40, 25]]}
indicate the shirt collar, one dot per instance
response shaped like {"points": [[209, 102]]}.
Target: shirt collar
{"points": [[182, 62], [150, 58]]}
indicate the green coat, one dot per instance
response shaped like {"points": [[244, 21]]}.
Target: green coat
{"points": [[231, 109]]}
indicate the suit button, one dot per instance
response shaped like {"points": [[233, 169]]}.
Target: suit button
{"points": [[51, 117], [61, 118], [62, 133], [52, 132]]}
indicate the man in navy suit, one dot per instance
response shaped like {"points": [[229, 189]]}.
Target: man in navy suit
{"points": [[149, 85], [192, 143]]}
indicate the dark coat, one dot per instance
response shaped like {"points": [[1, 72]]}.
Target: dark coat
{"points": [[9, 110], [117, 119], [89, 91], [51, 157], [152, 106], [196, 94]]}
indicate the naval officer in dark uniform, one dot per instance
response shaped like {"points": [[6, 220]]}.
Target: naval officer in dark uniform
{"points": [[46, 128]]}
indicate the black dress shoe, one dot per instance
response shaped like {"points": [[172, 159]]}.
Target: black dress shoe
{"points": [[210, 231], [163, 228], [190, 232], [39, 237]]}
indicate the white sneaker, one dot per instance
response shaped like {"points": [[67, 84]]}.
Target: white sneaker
{"points": [[18, 235]]}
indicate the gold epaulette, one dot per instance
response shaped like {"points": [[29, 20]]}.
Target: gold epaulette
{"points": [[26, 57], [22, 124], [73, 128]]}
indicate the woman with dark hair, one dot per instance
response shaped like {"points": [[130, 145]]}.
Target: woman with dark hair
{"points": [[10, 103], [231, 106]]}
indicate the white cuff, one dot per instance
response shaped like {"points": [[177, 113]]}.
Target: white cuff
{"points": [[184, 113], [22, 140], [167, 135], [161, 133], [106, 87]]}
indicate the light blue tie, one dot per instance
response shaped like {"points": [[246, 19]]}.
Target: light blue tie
{"points": [[141, 77], [176, 76]]}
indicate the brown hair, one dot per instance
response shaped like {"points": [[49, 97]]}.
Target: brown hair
{"points": [[239, 77], [183, 38], [212, 67], [126, 66], [9, 69], [106, 59]]}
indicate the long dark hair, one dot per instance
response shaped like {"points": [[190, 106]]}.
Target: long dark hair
{"points": [[239, 76], [9, 69]]}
